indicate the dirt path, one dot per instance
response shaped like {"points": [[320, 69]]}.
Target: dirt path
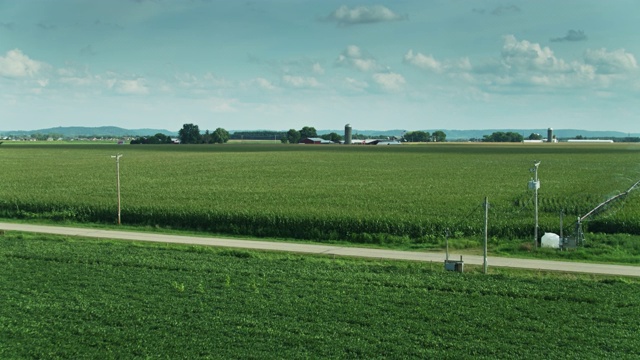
{"points": [[533, 264]]}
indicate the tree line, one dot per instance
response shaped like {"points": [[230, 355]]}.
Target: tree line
{"points": [[190, 134], [425, 136]]}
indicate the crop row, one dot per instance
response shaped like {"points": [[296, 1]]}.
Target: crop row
{"points": [[76, 298], [361, 194]]}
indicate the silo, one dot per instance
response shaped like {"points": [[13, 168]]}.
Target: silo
{"points": [[347, 134], [549, 135]]}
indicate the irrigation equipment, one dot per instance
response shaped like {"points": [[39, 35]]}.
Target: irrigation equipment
{"points": [[578, 236]]}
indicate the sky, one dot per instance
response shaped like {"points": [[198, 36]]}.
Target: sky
{"points": [[282, 64]]}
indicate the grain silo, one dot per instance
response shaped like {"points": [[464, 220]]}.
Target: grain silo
{"points": [[549, 135], [347, 134]]}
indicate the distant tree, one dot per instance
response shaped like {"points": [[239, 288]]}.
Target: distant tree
{"points": [[158, 138], [417, 136], [257, 135], [292, 137], [206, 137], [220, 136], [308, 132], [500, 136], [190, 134], [580, 137], [439, 136], [534, 136], [332, 137]]}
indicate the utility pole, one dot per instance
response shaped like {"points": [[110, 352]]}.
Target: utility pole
{"points": [[117, 157], [534, 185], [486, 231]]}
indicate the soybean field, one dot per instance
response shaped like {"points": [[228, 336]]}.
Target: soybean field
{"points": [[73, 298], [409, 194]]}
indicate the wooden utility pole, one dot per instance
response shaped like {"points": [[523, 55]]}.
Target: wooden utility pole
{"points": [[486, 231]]}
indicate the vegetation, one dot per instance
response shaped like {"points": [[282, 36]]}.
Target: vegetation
{"points": [[190, 134], [219, 136], [407, 195], [417, 136], [257, 135], [158, 138], [500, 136], [336, 138], [308, 132], [424, 136], [77, 298], [294, 136]]}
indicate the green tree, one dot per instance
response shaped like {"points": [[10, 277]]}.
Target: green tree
{"points": [[220, 136], [206, 138], [190, 134], [308, 132], [292, 137], [500, 136], [158, 138], [332, 137], [439, 136], [417, 136], [535, 136]]}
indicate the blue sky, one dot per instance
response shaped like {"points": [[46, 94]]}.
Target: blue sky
{"points": [[281, 64]]}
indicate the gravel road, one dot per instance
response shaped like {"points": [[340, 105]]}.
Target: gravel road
{"points": [[563, 266]]}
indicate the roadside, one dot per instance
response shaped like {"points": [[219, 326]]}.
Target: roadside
{"points": [[532, 264]]}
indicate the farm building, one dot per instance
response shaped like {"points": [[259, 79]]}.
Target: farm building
{"points": [[374, 142], [315, 141], [590, 141]]}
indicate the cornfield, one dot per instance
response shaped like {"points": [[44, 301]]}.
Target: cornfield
{"points": [[411, 194]]}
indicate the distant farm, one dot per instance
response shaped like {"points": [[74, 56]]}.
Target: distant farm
{"points": [[398, 194]]}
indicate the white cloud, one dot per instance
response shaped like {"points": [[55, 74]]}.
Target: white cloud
{"points": [[524, 55], [613, 62], [426, 62], [355, 84], [206, 81], [346, 16], [15, 64], [317, 69], [300, 81], [389, 81], [457, 69], [132, 87], [222, 105], [353, 57], [262, 83]]}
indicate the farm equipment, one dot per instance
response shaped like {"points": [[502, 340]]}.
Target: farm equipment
{"points": [[577, 238]]}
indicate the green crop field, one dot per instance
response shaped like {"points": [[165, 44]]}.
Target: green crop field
{"points": [[392, 194], [72, 298]]}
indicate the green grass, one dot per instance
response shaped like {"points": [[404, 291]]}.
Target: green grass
{"points": [[79, 298], [398, 195]]}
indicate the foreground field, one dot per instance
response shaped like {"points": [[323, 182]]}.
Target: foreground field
{"points": [[78, 298], [399, 194]]}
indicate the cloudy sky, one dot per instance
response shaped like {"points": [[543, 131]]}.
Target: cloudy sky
{"points": [[281, 64]]}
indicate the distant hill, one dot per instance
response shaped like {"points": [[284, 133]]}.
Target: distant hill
{"points": [[102, 131], [113, 131]]}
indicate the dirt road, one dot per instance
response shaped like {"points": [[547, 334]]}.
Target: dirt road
{"points": [[533, 264]]}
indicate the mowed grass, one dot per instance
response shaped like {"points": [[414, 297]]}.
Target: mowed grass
{"points": [[79, 298], [365, 194]]}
